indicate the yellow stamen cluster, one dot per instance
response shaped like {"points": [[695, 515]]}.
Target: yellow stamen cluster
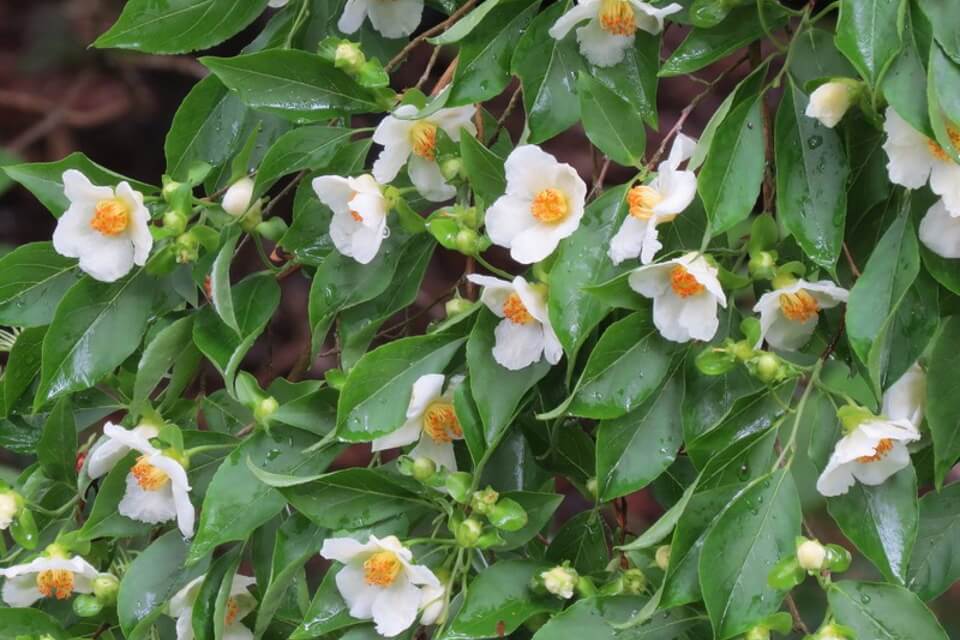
{"points": [[381, 568], [148, 476], [798, 306], [617, 18], [423, 139], [440, 423], [233, 610], [515, 311], [110, 217], [55, 583], [550, 205], [642, 200], [939, 151], [879, 453], [684, 283]]}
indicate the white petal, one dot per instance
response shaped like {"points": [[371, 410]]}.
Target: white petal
{"points": [[678, 189], [705, 274], [508, 217], [680, 151], [787, 334], [432, 600], [552, 349], [836, 479], [906, 398], [829, 103], [345, 550], [536, 243], [236, 631], [532, 298], [495, 292], [601, 48], [365, 242], [940, 232], [371, 207], [874, 473], [152, 507], [333, 191], [394, 135], [21, 591], [453, 121], [185, 626], [107, 452], [440, 452], [430, 183], [651, 281], [136, 439], [182, 601], [395, 18], [112, 261], [651, 243], [395, 608], [78, 189], [900, 430], [73, 233], [138, 231], [408, 433], [628, 241], [827, 294], [353, 14], [699, 317], [180, 487], [666, 317], [910, 159], [358, 595], [650, 18], [584, 11], [517, 345], [529, 170], [945, 182], [426, 389]]}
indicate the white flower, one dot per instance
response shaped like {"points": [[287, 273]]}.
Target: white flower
{"points": [[433, 605], [612, 26], [431, 420], [830, 101], [106, 228], [392, 18], [525, 333], [52, 576], [236, 201], [107, 452], [906, 399], [9, 508], [789, 315], [811, 555], [239, 604], [940, 231], [915, 158], [416, 141], [543, 205], [685, 294], [359, 223], [560, 581], [871, 452], [157, 485], [379, 581], [666, 197]]}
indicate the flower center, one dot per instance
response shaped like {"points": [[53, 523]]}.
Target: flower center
{"points": [[798, 306], [382, 568], [148, 476], [617, 18], [356, 216], [683, 283], [550, 205], [642, 200], [423, 138], [440, 422], [110, 217], [55, 583], [879, 453], [233, 610], [939, 151], [514, 310]]}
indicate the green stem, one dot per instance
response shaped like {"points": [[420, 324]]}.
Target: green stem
{"points": [[492, 269], [208, 447], [327, 440], [792, 441], [297, 23]]}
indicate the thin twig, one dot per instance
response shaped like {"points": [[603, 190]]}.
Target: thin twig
{"points": [[429, 33], [854, 269], [290, 185], [798, 623], [756, 59], [446, 78], [429, 67], [511, 105], [53, 119]]}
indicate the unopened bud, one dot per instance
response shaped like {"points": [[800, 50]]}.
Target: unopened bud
{"points": [[483, 501], [593, 487], [832, 632], [469, 532], [634, 582], [237, 199], [265, 409], [507, 515], [457, 305], [468, 242], [105, 588], [349, 57], [451, 169], [768, 368], [758, 632], [174, 222], [170, 189], [188, 247], [830, 101], [811, 555], [662, 557], [762, 265], [424, 468], [87, 606], [10, 505], [560, 581]]}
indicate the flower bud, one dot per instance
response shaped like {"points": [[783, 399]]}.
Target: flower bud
{"points": [[170, 189], [272, 229], [742, 350], [852, 416], [468, 242], [767, 368], [560, 581], [237, 199], [10, 506], [424, 468], [349, 57], [87, 606], [483, 501], [451, 169], [105, 588], [469, 532], [174, 222], [188, 247], [593, 488], [457, 305], [662, 557], [762, 265], [758, 632], [715, 362], [265, 409], [832, 632], [831, 100], [786, 574], [634, 582], [507, 515], [811, 555], [458, 484], [838, 558]]}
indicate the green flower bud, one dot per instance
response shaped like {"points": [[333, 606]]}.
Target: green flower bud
{"points": [[662, 557], [838, 558], [715, 362], [560, 581], [424, 468], [170, 189], [458, 484], [237, 199], [507, 515], [87, 606], [834, 631], [105, 588], [469, 532], [762, 265], [468, 242], [483, 501], [767, 368], [593, 488], [758, 632], [349, 57], [272, 229], [174, 222], [786, 574], [457, 305], [634, 582], [451, 169], [188, 247], [265, 409], [742, 350]]}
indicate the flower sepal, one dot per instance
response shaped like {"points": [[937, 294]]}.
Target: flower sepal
{"points": [[852, 416], [86, 605], [786, 574], [507, 515]]}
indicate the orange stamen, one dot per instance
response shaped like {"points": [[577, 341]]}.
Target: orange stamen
{"points": [[440, 423], [550, 205], [55, 583], [799, 306], [515, 311], [879, 453], [617, 18], [110, 217], [381, 569], [148, 476], [423, 139], [683, 283]]}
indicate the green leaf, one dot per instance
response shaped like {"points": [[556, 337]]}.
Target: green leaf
{"points": [[812, 172], [751, 415], [547, 69], [30, 623], [634, 449], [327, 612], [499, 600], [881, 521], [295, 85], [749, 537], [465, 25], [866, 608], [635, 78], [944, 15], [151, 580], [540, 508], [496, 391], [57, 449], [815, 57], [732, 173], [221, 572], [33, 279], [45, 179], [312, 147], [104, 520], [96, 326], [596, 618], [23, 366], [581, 261], [905, 84], [943, 399], [220, 296], [374, 399], [583, 542], [868, 34], [171, 344], [705, 46], [483, 70], [178, 26], [611, 124], [237, 502], [935, 563], [484, 169], [353, 498]]}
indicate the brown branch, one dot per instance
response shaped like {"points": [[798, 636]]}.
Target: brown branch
{"points": [[429, 33], [511, 105], [798, 623], [853, 265], [446, 78], [756, 59], [286, 189], [429, 67]]}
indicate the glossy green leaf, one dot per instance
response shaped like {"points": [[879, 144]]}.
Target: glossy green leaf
{"points": [[943, 16], [935, 563], [177, 26], [221, 297], [30, 623], [164, 351], [596, 618], [465, 25], [23, 366], [816, 57], [881, 521], [583, 542], [943, 399], [611, 123], [57, 449], [812, 172], [905, 84], [327, 612], [312, 147], [750, 415], [33, 278], [749, 537], [866, 609], [484, 169], [104, 520], [540, 508], [635, 78], [220, 574], [869, 34]]}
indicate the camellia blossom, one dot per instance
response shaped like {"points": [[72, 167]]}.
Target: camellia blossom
{"points": [[685, 293], [612, 26], [414, 143], [431, 420], [789, 314], [560, 581], [53, 575], [525, 333], [906, 399], [870, 452], [666, 197], [543, 204], [392, 18], [940, 231], [830, 101], [914, 158], [157, 486], [379, 581], [105, 227], [359, 223], [240, 603], [10, 504]]}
